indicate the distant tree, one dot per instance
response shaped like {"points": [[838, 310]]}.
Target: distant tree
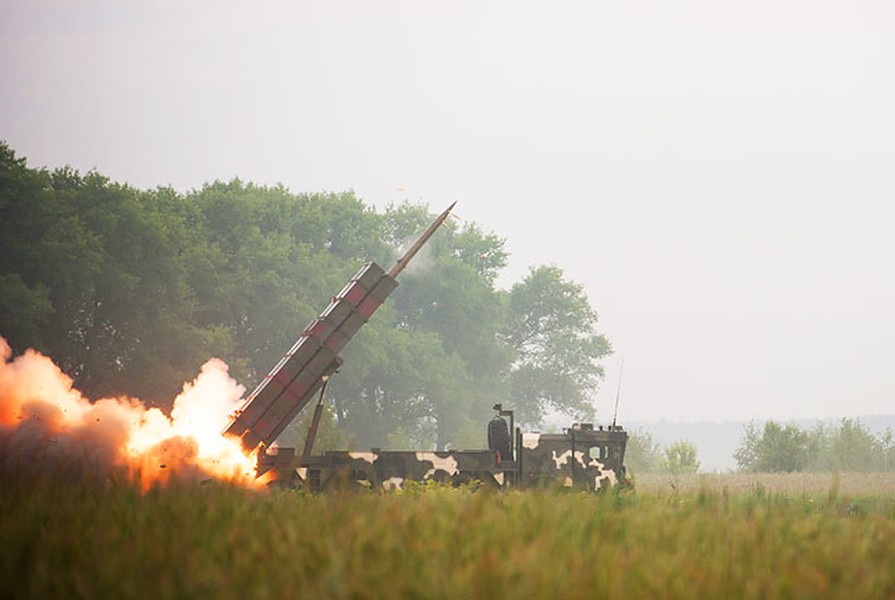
{"points": [[749, 453], [849, 447], [774, 448], [642, 453], [887, 445], [680, 458], [552, 328]]}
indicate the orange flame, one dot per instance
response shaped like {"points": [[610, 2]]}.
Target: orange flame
{"points": [[45, 422]]}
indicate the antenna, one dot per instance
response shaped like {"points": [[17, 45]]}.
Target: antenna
{"points": [[618, 392]]}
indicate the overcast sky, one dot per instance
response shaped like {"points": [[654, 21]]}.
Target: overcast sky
{"points": [[718, 175]]}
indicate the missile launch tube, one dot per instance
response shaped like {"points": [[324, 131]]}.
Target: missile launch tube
{"points": [[286, 390]]}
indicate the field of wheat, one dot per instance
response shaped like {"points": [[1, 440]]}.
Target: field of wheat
{"points": [[704, 539]]}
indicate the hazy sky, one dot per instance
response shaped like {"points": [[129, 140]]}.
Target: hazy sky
{"points": [[718, 175]]}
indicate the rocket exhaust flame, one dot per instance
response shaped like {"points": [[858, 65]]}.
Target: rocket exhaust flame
{"points": [[47, 425]]}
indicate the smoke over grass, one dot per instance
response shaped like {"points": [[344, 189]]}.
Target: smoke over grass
{"points": [[48, 427]]}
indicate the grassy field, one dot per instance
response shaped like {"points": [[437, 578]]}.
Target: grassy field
{"points": [[65, 540], [849, 484]]}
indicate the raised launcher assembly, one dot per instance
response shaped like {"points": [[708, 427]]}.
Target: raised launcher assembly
{"points": [[290, 385]]}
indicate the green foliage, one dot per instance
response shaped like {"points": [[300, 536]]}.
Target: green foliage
{"points": [[679, 458], [399, 440], [433, 541], [25, 310], [329, 435], [887, 446], [642, 453], [776, 448], [551, 327], [131, 291], [848, 447], [470, 435], [99, 268]]}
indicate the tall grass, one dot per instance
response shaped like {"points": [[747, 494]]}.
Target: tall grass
{"points": [[878, 484], [216, 541]]}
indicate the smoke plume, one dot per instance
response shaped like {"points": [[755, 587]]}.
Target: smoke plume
{"points": [[48, 427]]}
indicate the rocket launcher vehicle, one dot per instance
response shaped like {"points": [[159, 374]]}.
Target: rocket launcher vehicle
{"points": [[314, 357]]}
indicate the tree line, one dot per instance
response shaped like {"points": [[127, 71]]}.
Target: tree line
{"points": [[644, 455], [131, 290], [848, 446], [776, 448]]}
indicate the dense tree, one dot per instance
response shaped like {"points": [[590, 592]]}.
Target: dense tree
{"points": [[775, 448], [849, 447], [25, 310], [273, 261], [551, 328], [131, 291], [449, 290], [98, 267], [26, 306]]}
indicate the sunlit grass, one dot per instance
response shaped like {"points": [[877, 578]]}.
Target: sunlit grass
{"points": [[217, 541]]}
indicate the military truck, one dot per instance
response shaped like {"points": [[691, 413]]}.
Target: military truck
{"points": [[581, 456]]}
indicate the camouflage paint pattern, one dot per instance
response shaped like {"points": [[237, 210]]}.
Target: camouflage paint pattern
{"points": [[581, 457]]}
